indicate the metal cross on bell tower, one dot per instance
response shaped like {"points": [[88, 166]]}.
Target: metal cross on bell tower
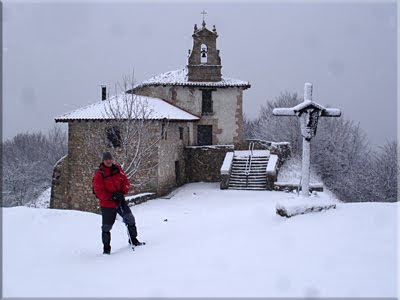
{"points": [[204, 16], [309, 112]]}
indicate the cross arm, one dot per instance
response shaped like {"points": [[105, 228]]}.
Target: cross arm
{"points": [[331, 112], [283, 112]]}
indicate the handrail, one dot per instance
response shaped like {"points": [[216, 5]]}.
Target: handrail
{"points": [[248, 162]]}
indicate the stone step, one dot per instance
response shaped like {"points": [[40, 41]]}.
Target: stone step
{"points": [[252, 172], [243, 179], [250, 176], [248, 189], [263, 187], [243, 171], [262, 184], [253, 161], [254, 158], [252, 166]]}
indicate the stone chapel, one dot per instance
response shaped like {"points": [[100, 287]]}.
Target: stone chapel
{"points": [[204, 109]]}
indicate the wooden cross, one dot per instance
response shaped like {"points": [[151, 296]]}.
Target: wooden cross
{"points": [[309, 112]]}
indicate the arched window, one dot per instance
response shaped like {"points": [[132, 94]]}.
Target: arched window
{"points": [[203, 54]]}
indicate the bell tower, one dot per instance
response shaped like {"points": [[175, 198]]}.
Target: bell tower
{"points": [[204, 63]]}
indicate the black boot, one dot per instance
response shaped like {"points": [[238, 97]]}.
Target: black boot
{"points": [[136, 242], [133, 233], [106, 238]]}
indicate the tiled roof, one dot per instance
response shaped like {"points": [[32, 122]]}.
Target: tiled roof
{"points": [[157, 109], [179, 77]]}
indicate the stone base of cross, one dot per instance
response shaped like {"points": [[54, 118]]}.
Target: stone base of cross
{"points": [[309, 112]]}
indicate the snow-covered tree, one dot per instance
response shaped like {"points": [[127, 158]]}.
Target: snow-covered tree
{"points": [[340, 154], [27, 164], [384, 172]]}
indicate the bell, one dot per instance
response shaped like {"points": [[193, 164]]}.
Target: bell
{"points": [[203, 54]]}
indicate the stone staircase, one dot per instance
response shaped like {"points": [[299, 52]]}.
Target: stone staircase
{"points": [[248, 173]]}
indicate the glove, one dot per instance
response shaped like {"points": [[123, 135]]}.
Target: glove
{"points": [[117, 197]]}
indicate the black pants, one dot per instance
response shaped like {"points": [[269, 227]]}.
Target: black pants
{"points": [[109, 215]]}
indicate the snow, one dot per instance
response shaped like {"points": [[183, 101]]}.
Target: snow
{"points": [[244, 153], [210, 147], [43, 201], [290, 172], [179, 77], [291, 111], [129, 198], [308, 91], [298, 205], [272, 163], [283, 112], [286, 183], [158, 109], [307, 103], [215, 243], [226, 165]]}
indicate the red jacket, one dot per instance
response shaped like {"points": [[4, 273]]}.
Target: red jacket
{"points": [[107, 181]]}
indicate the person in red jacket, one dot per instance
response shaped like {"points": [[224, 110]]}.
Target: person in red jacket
{"points": [[110, 184]]}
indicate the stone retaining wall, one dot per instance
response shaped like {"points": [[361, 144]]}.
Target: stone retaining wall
{"points": [[204, 162]]}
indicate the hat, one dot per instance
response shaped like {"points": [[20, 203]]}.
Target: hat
{"points": [[107, 155]]}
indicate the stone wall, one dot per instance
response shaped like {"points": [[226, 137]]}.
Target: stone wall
{"points": [[171, 150], [72, 179], [204, 162], [59, 190], [227, 116]]}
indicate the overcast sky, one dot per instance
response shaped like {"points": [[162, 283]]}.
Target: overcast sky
{"points": [[55, 56]]}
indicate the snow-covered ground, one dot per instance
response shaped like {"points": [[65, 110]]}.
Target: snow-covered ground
{"points": [[214, 243]]}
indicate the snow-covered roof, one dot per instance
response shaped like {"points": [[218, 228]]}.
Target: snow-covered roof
{"points": [[307, 103], [156, 109], [179, 77]]}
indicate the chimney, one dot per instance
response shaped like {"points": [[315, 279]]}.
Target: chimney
{"points": [[103, 93]]}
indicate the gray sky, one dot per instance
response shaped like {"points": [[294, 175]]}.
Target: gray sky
{"points": [[55, 56]]}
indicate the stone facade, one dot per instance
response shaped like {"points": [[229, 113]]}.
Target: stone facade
{"points": [[227, 115], [171, 170], [204, 63]]}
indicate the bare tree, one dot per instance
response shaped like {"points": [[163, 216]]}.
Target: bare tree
{"points": [[131, 131]]}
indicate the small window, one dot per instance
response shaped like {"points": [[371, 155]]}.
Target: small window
{"points": [[181, 133], [163, 132], [206, 106], [114, 137]]}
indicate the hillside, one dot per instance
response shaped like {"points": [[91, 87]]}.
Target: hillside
{"points": [[204, 242]]}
